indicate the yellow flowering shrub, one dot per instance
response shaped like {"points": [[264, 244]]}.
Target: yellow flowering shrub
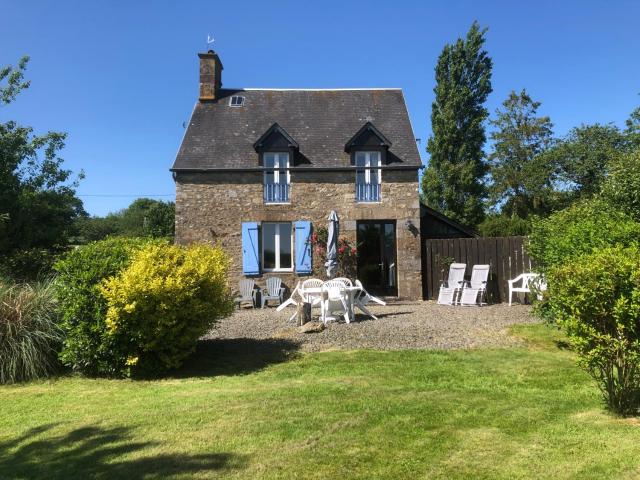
{"points": [[163, 302]]}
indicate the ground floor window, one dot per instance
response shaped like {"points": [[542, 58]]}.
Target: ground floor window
{"points": [[277, 247]]}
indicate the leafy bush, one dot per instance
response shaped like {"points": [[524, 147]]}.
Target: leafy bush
{"points": [[622, 187], [579, 230], [29, 334], [28, 265], [596, 299], [87, 346], [163, 302], [504, 226]]}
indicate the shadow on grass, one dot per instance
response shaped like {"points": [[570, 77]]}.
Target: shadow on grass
{"points": [[236, 356], [95, 452], [562, 344]]}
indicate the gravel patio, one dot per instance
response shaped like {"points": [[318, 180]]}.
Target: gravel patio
{"points": [[416, 325]]}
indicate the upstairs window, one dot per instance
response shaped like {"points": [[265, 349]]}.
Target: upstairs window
{"points": [[276, 177], [368, 176], [236, 101]]}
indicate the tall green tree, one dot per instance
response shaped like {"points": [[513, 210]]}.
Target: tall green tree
{"points": [[145, 217], [37, 195], [453, 181], [148, 218], [621, 188], [584, 155], [522, 180], [633, 128]]}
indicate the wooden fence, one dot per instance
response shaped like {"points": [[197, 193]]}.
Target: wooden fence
{"points": [[506, 255]]}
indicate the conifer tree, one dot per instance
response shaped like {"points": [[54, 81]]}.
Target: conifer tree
{"points": [[453, 181]]}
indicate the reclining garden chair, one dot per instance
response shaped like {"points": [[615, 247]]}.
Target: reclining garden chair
{"points": [[247, 292], [474, 290], [275, 291], [450, 289]]}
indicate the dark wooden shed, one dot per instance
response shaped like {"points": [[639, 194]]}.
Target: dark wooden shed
{"points": [[434, 224]]}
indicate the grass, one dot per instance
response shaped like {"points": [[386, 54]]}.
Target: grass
{"points": [[249, 409], [29, 332]]}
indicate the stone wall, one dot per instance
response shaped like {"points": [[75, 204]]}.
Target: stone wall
{"points": [[211, 207]]}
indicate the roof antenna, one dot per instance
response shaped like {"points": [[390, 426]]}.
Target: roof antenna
{"points": [[210, 41]]}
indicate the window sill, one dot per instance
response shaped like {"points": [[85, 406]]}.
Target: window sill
{"points": [[278, 203], [368, 201], [280, 270]]}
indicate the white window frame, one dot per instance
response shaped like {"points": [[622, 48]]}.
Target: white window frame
{"points": [[241, 104], [278, 240], [276, 170], [367, 166]]}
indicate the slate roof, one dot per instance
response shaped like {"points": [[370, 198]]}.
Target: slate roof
{"points": [[320, 121]]}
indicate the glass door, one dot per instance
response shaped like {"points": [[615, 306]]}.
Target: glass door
{"points": [[377, 256]]}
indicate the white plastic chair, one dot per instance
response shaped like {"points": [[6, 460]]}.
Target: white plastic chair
{"points": [[344, 280], [335, 300], [362, 298], [247, 290], [275, 291], [313, 298], [450, 289], [526, 281], [474, 290], [292, 301]]}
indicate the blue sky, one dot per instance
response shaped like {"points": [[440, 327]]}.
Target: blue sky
{"points": [[121, 77]]}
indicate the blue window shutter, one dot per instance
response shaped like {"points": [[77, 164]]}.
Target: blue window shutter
{"points": [[250, 249], [303, 246]]}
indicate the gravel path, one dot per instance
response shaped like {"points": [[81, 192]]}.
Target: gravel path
{"points": [[399, 326]]}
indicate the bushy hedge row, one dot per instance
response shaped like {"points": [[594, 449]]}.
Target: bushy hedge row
{"points": [[596, 299], [28, 265], [87, 347], [133, 306], [579, 230], [162, 303], [590, 256]]}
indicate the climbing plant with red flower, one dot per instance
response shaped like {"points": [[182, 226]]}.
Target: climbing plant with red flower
{"points": [[347, 255]]}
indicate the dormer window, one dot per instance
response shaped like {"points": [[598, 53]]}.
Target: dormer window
{"points": [[368, 176], [276, 150], [236, 101], [276, 177], [368, 148]]}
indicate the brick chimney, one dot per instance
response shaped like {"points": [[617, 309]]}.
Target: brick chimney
{"points": [[210, 75]]}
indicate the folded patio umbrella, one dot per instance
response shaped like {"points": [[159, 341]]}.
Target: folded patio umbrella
{"points": [[332, 244]]}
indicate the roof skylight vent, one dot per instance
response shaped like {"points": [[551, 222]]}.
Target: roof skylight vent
{"points": [[236, 101]]}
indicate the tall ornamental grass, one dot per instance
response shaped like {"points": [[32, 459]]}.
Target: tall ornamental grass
{"points": [[29, 332]]}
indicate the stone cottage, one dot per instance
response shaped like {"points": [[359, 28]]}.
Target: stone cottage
{"points": [[258, 168]]}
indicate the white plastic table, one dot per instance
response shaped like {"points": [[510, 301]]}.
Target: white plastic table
{"points": [[351, 292]]}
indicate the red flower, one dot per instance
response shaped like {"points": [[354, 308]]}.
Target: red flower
{"points": [[353, 250], [341, 250]]}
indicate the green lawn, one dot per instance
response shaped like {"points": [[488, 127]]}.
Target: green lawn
{"points": [[247, 410]]}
